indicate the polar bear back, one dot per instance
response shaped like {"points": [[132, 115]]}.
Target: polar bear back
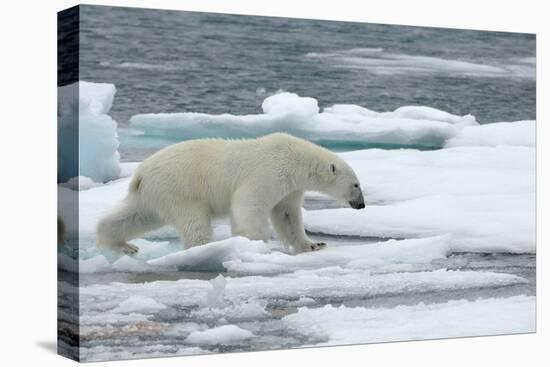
{"points": [[211, 170]]}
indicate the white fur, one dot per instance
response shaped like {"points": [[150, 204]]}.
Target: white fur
{"points": [[252, 181]]}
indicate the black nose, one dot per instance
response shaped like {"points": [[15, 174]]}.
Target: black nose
{"points": [[357, 204]]}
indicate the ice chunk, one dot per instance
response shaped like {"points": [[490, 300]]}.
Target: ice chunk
{"points": [[96, 264], [224, 335], [83, 108], [522, 133], [290, 104], [354, 325], [139, 304], [384, 256], [215, 296], [241, 256], [130, 264], [210, 257]]}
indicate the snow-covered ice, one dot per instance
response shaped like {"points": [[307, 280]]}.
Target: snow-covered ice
{"points": [[483, 197], [239, 255], [353, 325]]}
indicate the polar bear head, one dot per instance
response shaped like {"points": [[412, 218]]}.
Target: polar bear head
{"points": [[342, 184]]}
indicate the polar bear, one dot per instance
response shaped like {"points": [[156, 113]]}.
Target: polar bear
{"points": [[253, 181]]}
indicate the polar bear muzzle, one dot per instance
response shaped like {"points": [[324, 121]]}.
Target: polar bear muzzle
{"points": [[358, 203]]}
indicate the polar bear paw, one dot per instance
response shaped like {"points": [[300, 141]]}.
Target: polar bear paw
{"points": [[313, 246], [128, 249]]}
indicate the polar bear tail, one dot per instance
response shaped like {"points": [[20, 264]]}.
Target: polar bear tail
{"points": [[135, 183]]}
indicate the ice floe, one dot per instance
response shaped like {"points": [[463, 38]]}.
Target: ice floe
{"points": [[353, 325], [300, 116], [483, 197]]}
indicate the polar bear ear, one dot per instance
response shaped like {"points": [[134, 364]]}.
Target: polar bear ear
{"points": [[333, 168]]}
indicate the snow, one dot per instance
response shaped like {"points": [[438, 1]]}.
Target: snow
{"points": [[139, 304], [353, 325], [83, 109], [521, 133], [225, 335]]}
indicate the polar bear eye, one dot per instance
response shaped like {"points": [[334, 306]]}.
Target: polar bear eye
{"points": [[356, 186], [333, 168]]}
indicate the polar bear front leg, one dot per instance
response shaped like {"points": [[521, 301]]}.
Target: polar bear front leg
{"points": [[286, 218]]}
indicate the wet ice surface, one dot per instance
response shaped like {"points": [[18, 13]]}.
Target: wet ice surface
{"points": [[148, 331], [179, 312]]}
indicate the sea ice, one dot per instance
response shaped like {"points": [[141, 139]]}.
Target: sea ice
{"points": [[353, 325]]}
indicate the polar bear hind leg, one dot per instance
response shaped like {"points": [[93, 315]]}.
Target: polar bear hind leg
{"points": [[124, 223], [286, 218], [193, 222]]}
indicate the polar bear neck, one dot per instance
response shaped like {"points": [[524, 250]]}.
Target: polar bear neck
{"points": [[308, 166]]}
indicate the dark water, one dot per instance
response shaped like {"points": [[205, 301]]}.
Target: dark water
{"points": [[172, 61]]}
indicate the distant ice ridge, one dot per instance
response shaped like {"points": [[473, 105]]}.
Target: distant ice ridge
{"points": [[84, 107], [354, 325], [344, 124], [379, 61]]}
